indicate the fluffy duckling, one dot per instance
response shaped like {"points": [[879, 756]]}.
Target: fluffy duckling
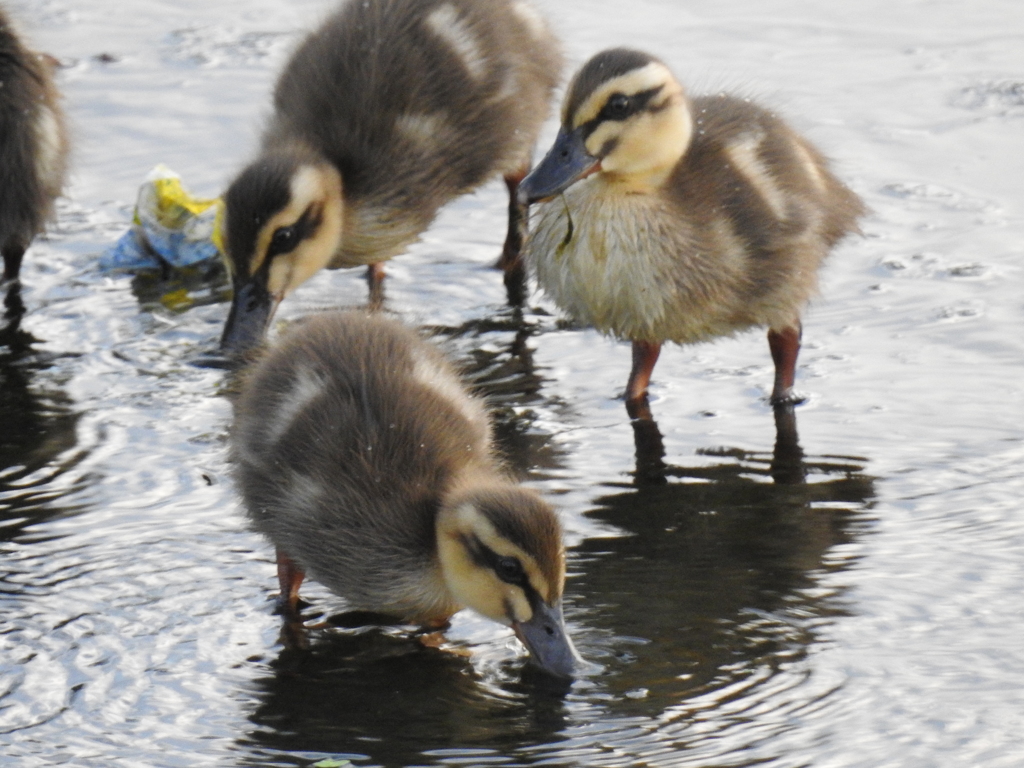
{"points": [[681, 219], [360, 456], [385, 113], [33, 145]]}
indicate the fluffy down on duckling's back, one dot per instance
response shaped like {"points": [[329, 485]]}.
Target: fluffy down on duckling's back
{"points": [[359, 454], [387, 111], [415, 102], [340, 443]]}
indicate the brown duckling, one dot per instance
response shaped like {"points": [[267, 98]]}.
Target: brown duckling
{"points": [[385, 113], [681, 219], [361, 457], [33, 145]]}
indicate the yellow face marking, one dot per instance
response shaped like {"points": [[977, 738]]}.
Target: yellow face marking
{"points": [[637, 81], [477, 586], [313, 187], [646, 146]]}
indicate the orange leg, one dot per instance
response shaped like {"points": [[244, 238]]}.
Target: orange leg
{"points": [[289, 576], [645, 355], [511, 260], [375, 275], [785, 347]]}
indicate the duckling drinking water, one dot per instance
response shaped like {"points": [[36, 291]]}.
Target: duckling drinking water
{"points": [[33, 145], [385, 113], [681, 219], [361, 457]]}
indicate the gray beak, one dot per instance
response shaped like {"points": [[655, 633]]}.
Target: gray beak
{"points": [[566, 163], [251, 310], [545, 637]]}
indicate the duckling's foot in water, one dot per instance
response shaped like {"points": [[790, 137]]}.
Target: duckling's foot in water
{"points": [[786, 399], [645, 356], [785, 347], [375, 275], [639, 409], [511, 260]]}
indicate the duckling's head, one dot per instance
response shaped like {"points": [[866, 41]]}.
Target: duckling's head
{"points": [[502, 555], [283, 219], [626, 117]]}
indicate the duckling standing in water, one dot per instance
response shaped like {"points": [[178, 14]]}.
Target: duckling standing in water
{"points": [[360, 456], [385, 113], [33, 146], [681, 219]]}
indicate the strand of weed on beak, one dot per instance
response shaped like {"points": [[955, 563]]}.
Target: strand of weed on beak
{"points": [[569, 230]]}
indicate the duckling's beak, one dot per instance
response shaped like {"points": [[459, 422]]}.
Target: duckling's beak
{"points": [[251, 310], [545, 636], [566, 163]]}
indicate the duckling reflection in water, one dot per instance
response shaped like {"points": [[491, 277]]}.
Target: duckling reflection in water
{"points": [[786, 467], [681, 219], [33, 145], [360, 456], [385, 113]]}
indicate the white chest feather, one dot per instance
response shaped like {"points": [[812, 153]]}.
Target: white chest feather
{"points": [[632, 267]]}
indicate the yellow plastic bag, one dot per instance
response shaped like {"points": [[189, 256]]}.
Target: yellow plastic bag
{"points": [[170, 227]]}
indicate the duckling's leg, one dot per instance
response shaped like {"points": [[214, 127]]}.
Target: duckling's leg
{"points": [[289, 576], [375, 275], [13, 253], [645, 355], [785, 346], [511, 254]]}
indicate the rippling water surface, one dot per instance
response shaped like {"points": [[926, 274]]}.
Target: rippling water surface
{"points": [[840, 588]]}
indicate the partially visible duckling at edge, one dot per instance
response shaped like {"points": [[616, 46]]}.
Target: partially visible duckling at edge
{"points": [[33, 145], [681, 219], [385, 113], [360, 456]]}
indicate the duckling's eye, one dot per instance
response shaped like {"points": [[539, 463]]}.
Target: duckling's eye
{"points": [[509, 570], [283, 240], [617, 107]]}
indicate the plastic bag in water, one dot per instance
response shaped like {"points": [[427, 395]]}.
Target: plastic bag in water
{"points": [[170, 227]]}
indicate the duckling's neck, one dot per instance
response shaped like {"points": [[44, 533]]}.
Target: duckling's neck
{"points": [[646, 156]]}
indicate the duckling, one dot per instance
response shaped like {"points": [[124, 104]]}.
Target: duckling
{"points": [[360, 456], [681, 219], [33, 145], [385, 113]]}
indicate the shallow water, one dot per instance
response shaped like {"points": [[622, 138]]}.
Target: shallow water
{"points": [[842, 589]]}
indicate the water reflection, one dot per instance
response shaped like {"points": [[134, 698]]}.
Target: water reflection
{"points": [[37, 426], [182, 288], [496, 358], [786, 467], [368, 695], [716, 584]]}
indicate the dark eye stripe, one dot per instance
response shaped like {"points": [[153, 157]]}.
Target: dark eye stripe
{"points": [[638, 102], [285, 239], [485, 557]]}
